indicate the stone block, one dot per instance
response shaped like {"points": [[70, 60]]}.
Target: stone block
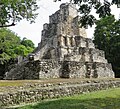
{"points": [[90, 43], [73, 69], [97, 55], [104, 70], [80, 41], [45, 26]]}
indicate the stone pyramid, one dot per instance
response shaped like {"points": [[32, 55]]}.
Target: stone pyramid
{"points": [[64, 51]]}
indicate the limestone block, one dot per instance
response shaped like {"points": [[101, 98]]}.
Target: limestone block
{"points": [[64, 51], [82, 32], [45, 26], [60, 28], [104, 70], [55, 18], [75, 26], [72, 10], [49, 69], [55, 41], [77, 58], [73, 69], [73, 41], [87, 57], [62, 41], [43, 33], [90, 43], [68, 43], [85, 54], [80, 42], [90, 67], [97, 55]]}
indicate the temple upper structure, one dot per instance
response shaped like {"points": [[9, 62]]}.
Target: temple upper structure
{"points": [[64, 21], [64, 51], [60, 34]]}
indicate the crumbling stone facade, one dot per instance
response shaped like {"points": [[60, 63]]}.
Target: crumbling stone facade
{"points": [[64, 51]]}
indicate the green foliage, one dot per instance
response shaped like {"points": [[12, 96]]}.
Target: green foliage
{"points": [[12, 11], [102, 8], [8, 41], [21, 50], [12, 46], [106, 99], [107, 38], [102, 32], [27, 43]]}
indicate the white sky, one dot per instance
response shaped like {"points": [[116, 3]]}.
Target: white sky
{"points": [[47, 7]]}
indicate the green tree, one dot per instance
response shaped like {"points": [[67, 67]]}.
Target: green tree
{"points": [[27, 43], [102, 8], [8, 41], [11, 46], [107, 38], [21, 50], [13, 11]]}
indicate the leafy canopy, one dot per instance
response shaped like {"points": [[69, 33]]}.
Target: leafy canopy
{"points": [[107, 38], [13, 11], [27, 43], [8, 41], [11, 45]]}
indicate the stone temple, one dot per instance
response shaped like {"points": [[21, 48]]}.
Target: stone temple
{"points": [[64, 51]]}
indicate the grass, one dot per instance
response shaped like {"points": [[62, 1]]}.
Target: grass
{"points": [[105, 99], [5, 83]]}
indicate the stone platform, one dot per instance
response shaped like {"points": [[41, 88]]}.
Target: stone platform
{"points": [[37, 91]]}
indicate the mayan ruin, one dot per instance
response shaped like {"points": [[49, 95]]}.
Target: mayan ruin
{"points": [[64, 51]]}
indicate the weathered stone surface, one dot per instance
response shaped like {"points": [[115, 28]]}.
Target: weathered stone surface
{"points": [[39, 92], [64, 51]]}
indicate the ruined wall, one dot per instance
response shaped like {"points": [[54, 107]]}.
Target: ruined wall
{"points": [[44, 69], [37, 92], [25, 70], [49, 69], [74, 69]]}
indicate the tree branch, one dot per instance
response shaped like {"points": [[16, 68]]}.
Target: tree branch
{"points": [[2, 26]]}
